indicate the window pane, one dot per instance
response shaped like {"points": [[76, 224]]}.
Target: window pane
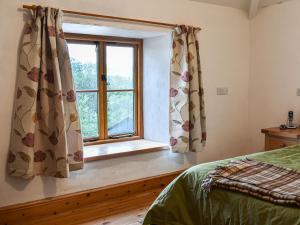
{"points": [[88, 111], [84, 65], [120, 112], [119, 67]]}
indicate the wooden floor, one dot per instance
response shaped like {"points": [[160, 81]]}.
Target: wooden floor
{"points": [[133, 217], [120, 204]]}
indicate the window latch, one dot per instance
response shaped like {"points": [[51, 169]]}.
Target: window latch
{"points": [[103, 77]]}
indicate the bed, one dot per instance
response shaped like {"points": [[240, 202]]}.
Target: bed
{"points": [[183, 201]]}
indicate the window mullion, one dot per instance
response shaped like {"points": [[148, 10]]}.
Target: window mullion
{"points": [[102, 92]]}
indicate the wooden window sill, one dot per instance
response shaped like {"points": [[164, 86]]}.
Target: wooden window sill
{"points": [[121, 149]]}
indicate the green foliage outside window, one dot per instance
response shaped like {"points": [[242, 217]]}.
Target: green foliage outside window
{"points": [[120, 104]]}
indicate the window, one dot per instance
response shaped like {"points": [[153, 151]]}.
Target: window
{"points": [[108, 81]]}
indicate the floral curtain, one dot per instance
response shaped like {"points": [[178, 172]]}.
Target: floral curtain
{"points": [[187, 112], [46, 137]]}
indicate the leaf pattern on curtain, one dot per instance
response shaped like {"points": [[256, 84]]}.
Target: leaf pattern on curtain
{"points": [[46, 137], [187, 112]]}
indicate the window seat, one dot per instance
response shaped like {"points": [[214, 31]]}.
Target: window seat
{"points": [[119, 149]]}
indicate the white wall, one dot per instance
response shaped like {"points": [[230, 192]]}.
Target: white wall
{"points": [[156, 87], [275, 68], [224, 49]]}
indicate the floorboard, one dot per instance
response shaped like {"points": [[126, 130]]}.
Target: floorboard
{"points": [[132, 217]]}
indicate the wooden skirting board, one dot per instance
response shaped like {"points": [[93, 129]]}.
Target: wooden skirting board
{"points": [[83, 206]]}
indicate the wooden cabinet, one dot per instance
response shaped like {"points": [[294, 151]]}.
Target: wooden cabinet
{"points": [[276, 138]]}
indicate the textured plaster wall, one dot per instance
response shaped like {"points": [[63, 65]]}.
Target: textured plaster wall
{"points": [[225, 52]]}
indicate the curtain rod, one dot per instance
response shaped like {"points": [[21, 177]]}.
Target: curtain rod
{"points": [[116, 18]]}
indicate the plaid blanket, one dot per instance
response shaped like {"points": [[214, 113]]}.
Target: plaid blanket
{"points": [[261, 180]]}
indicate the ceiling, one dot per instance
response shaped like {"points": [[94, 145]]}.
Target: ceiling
{"points": [[246, 5], [240, 4]]}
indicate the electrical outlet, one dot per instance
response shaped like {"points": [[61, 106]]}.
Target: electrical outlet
{"points": [[222, 91], [298, 91]]}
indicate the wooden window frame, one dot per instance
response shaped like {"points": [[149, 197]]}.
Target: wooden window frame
{"points": [[102, 42]]}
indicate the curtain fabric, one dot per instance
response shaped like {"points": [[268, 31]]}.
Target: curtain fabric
{"points": [[187, 112], [46, 137]]}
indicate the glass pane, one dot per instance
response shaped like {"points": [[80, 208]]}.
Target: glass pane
{"points": [[84, 65], [120, 112], [88, 111], [119, 67]]}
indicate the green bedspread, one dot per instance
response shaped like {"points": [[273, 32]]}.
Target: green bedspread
{"points": [[183, 202]]}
